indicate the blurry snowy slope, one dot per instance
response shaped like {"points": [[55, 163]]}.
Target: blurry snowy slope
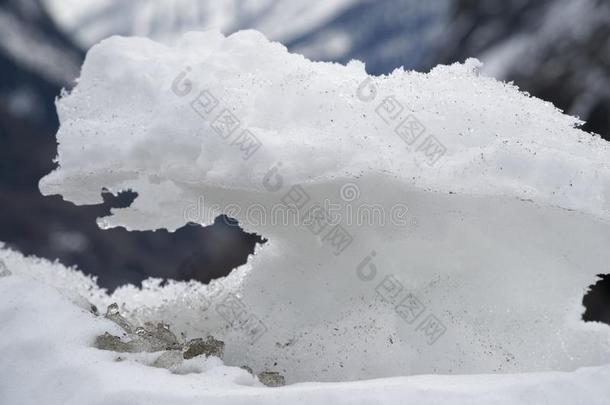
{"points": [[166, 20], [557, 50], [385, 33], [29, 38], [36, 60]]}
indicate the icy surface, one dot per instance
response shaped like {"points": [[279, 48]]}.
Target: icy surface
{"points": [[493, 207]]}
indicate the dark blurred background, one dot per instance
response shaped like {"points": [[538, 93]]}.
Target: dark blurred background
{"points": [[557, 50]]}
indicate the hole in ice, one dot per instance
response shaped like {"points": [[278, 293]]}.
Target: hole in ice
{"points": [[122, 199], [193, 252], [597, 301], [227, 246]]}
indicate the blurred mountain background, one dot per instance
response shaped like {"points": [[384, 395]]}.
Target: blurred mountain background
{"points": [[557, 50]]}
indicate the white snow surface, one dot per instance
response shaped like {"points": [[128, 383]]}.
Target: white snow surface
{"points": [[481, 270], [47, 357], [124, 126]]}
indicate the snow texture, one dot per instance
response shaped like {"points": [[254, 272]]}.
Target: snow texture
{"points": [[431, 213], [48, 356]]}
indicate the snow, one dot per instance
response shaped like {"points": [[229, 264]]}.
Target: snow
{"points": [[431, 243], [495, 139], [444, 205], [47, 356]]}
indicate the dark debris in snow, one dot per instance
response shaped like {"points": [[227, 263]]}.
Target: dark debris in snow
{"points": [[159, 338], [271, 378]]}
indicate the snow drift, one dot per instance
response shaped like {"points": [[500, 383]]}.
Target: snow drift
{"points": [[417, 223]]}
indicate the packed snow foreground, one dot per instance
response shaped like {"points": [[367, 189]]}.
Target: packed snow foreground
{"points": [[430, 236]]}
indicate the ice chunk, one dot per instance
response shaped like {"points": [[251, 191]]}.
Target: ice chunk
{"points": [[112, 313], [271, 378], [147, 338], [114, 343], [207, 347]]}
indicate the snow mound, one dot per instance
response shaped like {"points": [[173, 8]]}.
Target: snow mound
{"points": [[413, 219]]}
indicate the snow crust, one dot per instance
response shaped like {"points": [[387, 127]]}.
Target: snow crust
{"points": [[488, 197]]}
